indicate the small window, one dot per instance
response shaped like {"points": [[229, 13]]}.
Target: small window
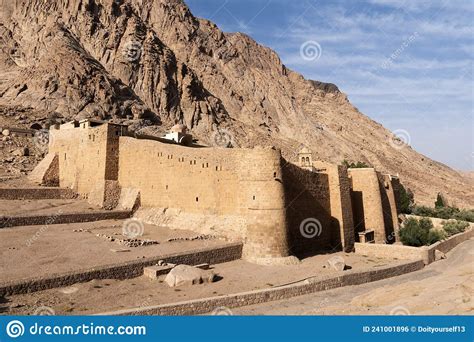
{"points": [[254, 197], [217, 168], [197, 199], [274, 174], [167, 187]]}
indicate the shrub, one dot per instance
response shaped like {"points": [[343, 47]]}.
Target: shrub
{"points": [[420, 232], [414, 232], [435, 235], [352, 165], [454, 227], [445, 213], [421, 210], [465, 215]]}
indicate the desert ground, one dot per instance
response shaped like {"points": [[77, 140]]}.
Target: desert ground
{"points": [[445, 287]]}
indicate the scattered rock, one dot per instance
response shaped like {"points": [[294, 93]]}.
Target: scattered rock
{"points": [[193, 238], [128, 242], [439, 255], [188, 275], [6, 132], [22, 152]]}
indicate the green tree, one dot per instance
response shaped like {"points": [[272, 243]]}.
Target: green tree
{"points": [[407, 199], [440, 202]]}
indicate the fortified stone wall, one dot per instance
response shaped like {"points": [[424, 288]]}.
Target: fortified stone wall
{"points": [[88, 159], [392, 188], [213, 182], [287, 210], [308, 211], [375, 203], [82, 157], [340, 203], [367, 202]]}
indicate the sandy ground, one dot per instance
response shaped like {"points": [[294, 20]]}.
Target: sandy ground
{"points": [[45, 207], [33, 251], [17, 182], [236, 276], [445, 287]]}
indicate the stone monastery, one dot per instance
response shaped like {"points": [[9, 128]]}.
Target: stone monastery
{"points": [[288, 209]]}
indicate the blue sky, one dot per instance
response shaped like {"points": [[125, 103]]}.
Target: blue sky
{"points": [[406, 64]]}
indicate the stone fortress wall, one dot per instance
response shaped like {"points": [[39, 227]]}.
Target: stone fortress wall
{"points": [[274, 197]]}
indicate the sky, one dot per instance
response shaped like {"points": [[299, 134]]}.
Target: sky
{"points": [[407, 64]]}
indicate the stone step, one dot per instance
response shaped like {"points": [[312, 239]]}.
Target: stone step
{"points": [[36, 193], [62, 218]]}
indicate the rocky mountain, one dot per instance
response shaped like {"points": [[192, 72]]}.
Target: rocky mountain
{"points": [[151, 62]]}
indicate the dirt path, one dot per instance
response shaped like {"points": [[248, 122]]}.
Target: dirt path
{"points": [[444, 287]]}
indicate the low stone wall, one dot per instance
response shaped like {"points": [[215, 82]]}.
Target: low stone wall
{"points": [[36, 193], [33, 220], [448, 244], [379, 250], [425, 253], [125, 270], [207, 305]]}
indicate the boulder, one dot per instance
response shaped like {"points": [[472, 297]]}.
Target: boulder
{"points": [[188, 275], [22, 152], [6, 132], [439, 255], [337, 263]]}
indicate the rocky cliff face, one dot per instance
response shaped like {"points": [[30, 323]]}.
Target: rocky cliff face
{"points": [[154, 61]]}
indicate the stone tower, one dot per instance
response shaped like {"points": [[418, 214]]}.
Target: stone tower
{"points": [[305, 159]]}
